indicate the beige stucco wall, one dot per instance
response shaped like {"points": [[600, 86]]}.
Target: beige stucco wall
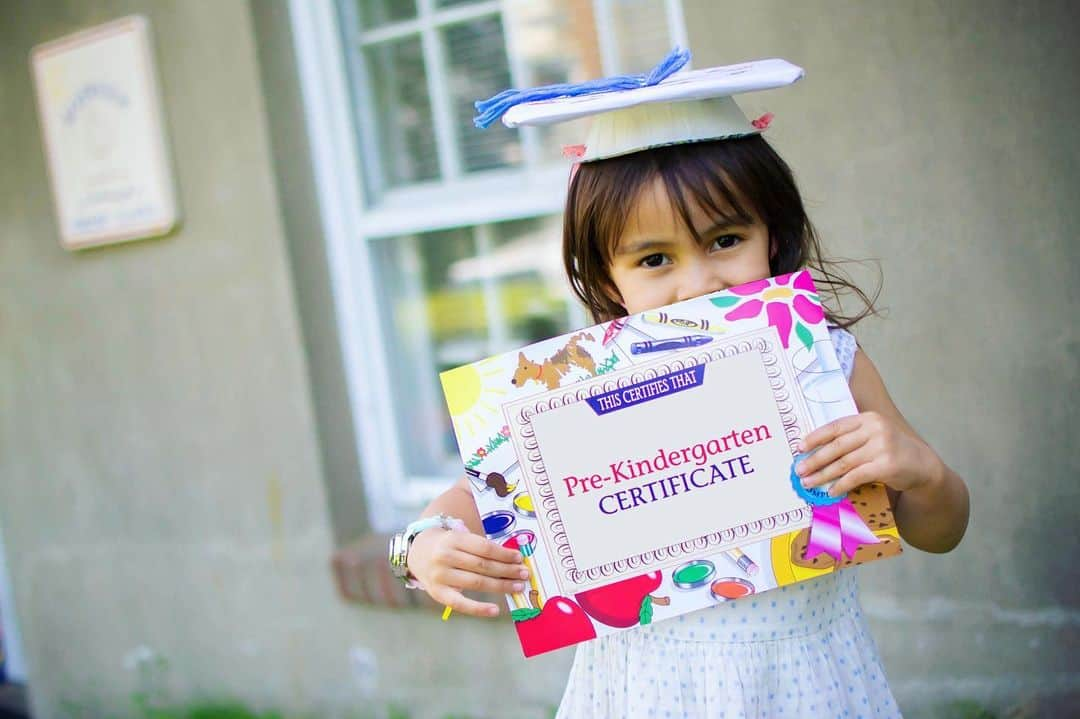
{"points": [[940, 138], [171, 411], [163, 485]]}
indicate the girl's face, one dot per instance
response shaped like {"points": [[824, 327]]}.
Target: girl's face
{"points": [[657, 260]]}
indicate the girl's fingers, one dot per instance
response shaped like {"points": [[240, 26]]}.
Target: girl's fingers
{"points": [[864, 474], [832, 453], [484, 547], [462, 604], [460, 580], [842, 466], [824, 435], [488, 567]]}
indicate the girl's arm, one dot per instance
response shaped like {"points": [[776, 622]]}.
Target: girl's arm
{"points": [[457, 502], [930, 501], [447, 563]]}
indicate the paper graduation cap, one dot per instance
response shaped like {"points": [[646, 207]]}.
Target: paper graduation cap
{"points": [[637, 112]]}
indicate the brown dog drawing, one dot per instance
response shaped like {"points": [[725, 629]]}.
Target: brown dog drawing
{"points": [[552, 370]]}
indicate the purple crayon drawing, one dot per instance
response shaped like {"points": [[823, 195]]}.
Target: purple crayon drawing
{"points": [[676, 343]]}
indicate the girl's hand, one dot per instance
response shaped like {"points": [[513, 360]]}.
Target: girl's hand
{"points": [[929, 500], [447, 563], [867, 447]]}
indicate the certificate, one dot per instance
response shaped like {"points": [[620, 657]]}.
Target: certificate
{"points": [[644, 467]]}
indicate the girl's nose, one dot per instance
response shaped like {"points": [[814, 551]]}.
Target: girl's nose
{"points": [[699, 280]]}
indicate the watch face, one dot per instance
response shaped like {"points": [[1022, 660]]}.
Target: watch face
{"points": [[397, 558]]}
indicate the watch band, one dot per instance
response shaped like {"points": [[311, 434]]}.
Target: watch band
{"points": [[402, 541]]}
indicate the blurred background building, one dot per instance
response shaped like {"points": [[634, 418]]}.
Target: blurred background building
{"points": [[191, 426]]}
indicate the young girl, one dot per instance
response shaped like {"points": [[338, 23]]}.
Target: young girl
{"points": [[673, 218]]}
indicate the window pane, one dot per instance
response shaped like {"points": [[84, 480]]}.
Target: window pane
{"points": [[374, 13], [429, 327], [641, 30], [526, 266], [477, 68], [556, 42], [448, 303], [403, 110], [453, 3]]}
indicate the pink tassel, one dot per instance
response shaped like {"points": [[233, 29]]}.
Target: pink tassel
{"points": [[573, 172], [573, 152], [763, 122]]}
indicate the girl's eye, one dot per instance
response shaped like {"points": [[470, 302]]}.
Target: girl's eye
{"points": [[654, 260], [726, 242]]}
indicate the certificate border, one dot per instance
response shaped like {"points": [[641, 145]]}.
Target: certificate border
{"points": [[790, 403]]}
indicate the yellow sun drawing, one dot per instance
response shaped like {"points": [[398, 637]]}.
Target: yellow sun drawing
{"points": [[471, 399]]}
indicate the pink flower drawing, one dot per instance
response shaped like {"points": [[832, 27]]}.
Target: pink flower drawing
{"points": [[778, 299]]}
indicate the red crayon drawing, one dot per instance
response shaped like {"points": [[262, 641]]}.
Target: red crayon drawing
{"points": [[625, 603]]}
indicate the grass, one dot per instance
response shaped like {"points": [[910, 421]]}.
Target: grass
{"points": [[966, 709], [231, 709], [209, 711]]}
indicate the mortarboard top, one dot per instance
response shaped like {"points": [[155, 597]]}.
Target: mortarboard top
{"points": [[692, 106]]}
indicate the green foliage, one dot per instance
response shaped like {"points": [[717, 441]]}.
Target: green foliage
{"points": [[397, 712], [224, 709], [208, 710], [967, 709]]}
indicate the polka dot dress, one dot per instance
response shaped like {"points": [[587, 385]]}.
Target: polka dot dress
{"points": [[797, 651]]}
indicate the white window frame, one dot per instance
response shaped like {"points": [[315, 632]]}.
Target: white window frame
{"points": [[349, 225]]}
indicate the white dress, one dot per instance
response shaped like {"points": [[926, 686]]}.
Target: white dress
{"points": [[803, 650]]}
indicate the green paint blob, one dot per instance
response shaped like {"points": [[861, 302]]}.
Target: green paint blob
{"points": [[692, 574]]}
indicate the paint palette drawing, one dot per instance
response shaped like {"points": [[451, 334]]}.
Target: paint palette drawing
{"points": [[643, 467]]}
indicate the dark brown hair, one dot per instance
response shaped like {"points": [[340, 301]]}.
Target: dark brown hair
{"points": [[732, 180]]}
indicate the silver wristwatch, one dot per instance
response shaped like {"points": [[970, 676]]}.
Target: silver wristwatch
{"points": [[400, 542]]}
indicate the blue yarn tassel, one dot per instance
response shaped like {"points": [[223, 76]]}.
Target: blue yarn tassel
{"points": [[495, 107]]}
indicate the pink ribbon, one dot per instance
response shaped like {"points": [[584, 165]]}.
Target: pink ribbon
{"points": [[837, 529], [573, 152]]}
